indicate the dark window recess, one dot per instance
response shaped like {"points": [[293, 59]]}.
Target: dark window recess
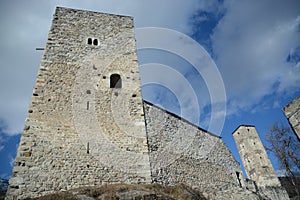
{"points": [[95, 42], [88, 105], [238, 178], [134, 95], [90, 41], [88, 148], [88, 91], [115, 81]]}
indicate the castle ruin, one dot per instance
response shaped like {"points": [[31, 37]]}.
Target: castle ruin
{"points": [[87, 124], [292, 112]]}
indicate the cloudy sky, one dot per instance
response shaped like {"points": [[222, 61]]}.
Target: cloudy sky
{"points": [[254, 45]]}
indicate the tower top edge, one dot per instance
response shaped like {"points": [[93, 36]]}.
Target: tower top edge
{"points": [[243, 126], [293, 103], [61, 8]]}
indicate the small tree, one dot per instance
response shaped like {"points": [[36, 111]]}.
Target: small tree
{"points": [[282, 142]]}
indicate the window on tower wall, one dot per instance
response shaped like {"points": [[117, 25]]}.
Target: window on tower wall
{"points": [[115, 81], [90, 41], [95, 42]]}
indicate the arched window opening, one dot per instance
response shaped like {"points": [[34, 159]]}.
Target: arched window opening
{"points": [[115, 81], [95, 42], [90, 41]]}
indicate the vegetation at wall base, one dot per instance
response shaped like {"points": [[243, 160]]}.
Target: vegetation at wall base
{"points": [[128, 191]]}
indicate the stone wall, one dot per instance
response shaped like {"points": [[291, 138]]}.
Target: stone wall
{"points": [[86, 128], [292, 112], [79, 131], [181, 152]]}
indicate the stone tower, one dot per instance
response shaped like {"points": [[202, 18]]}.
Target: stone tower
{"points": [[292, 112], [254, 157], [85, 124]]}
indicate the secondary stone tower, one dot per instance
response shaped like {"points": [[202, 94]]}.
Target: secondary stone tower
{"points": [[86, 113], [254, 157]]}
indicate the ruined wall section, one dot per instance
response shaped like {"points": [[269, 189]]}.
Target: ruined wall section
{"points": [[78, 130], [292, 112], [181, 152]]}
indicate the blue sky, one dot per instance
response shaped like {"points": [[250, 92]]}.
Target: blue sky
{"points": [[255, 46]]}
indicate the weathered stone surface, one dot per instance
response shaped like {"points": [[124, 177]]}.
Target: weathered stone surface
{"points": [[181, 152], [15, 182], [79, 131], [87, 124], [292, 112]]}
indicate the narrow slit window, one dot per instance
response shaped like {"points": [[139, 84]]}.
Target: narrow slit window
{"points": [[88, 105], [88, 148], [238, 178], [115, 81]]}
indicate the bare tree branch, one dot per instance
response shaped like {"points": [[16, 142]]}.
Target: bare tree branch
{"points": [[285, 146]]}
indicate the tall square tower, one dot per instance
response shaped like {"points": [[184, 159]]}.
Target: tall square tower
{"points": [[85, 124]]}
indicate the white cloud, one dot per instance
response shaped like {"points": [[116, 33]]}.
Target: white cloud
{"points": [[252, 43], [1, 143], [177, 84], [5, 176], [23, 28], [25, 25], [11, 161]]}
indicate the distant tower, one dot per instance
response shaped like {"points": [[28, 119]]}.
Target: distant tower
{"points": [[85, 125], [292, 112], [254, 157]]}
